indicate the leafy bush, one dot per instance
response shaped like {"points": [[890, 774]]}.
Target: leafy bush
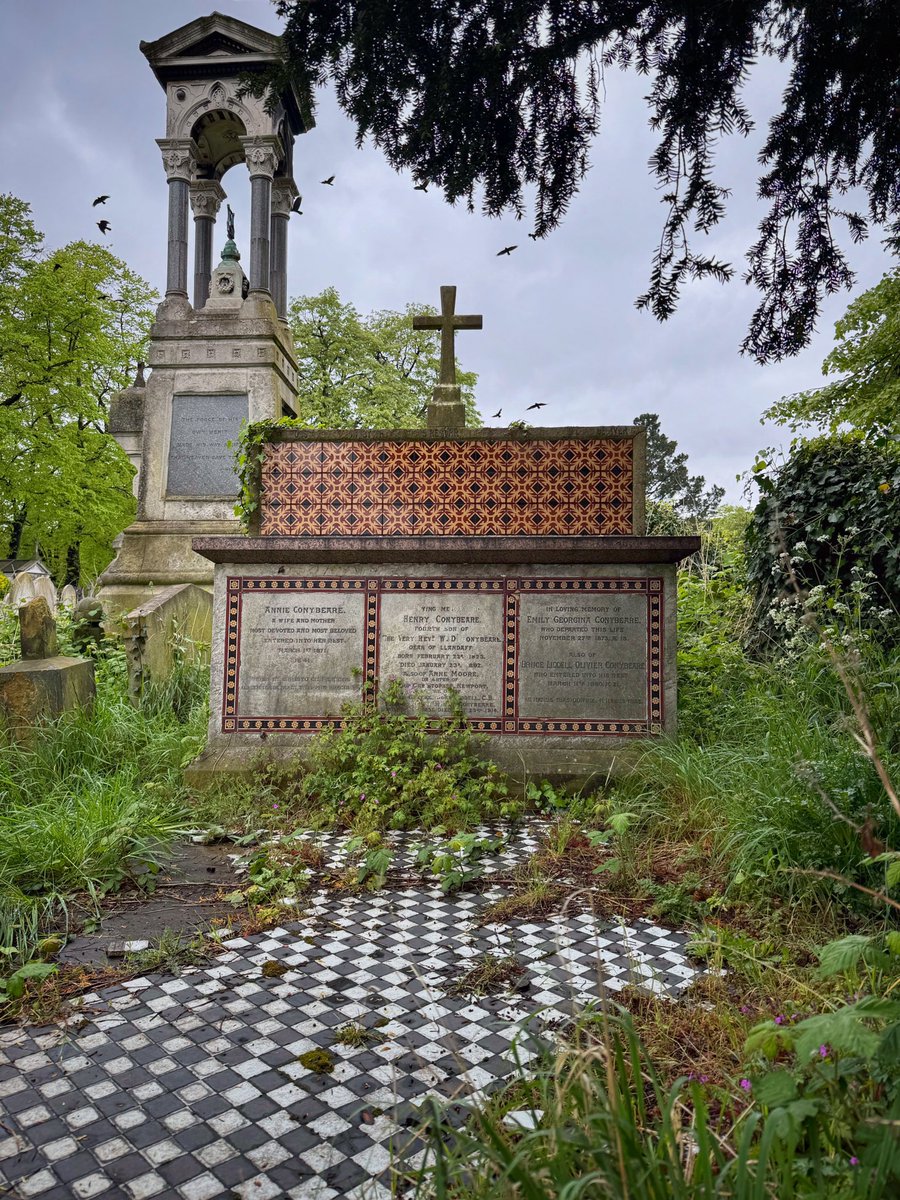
{"points": [[827, 524], [387, 769]]}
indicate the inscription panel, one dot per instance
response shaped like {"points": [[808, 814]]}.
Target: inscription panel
{"points": [[528, 656], [200, 460], [583, 656], [435, 642]]}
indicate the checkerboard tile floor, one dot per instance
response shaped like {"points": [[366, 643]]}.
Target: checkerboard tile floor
{"points": [[520, 844], [190, 1087]]}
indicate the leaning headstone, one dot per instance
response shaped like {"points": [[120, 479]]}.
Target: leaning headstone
{"points": [[173, 627], [37, 630], [46, 589], [21, 591], [68, 597], [43, 684]]}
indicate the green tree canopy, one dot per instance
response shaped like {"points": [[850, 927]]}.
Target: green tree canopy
{"points": [[867, 358], [670, 486], [372, 372], [72, 325], [501, 100]]}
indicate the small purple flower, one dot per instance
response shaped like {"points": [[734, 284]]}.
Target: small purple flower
{"points": [[393, 774], [704, 1079], [746, 1085], [779, 1020], [823, 1051], [274, 805], [854, 1161], [746, 1010], [362, 795]]}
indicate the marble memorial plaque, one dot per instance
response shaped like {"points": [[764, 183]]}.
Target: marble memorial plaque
{"points": [[583, 656], [301, 654], [527, 656], [437, 640], [201, 463]]}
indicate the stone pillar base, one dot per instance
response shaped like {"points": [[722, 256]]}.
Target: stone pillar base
{"points": [[447, 409], [41, 689], [154, 556]]}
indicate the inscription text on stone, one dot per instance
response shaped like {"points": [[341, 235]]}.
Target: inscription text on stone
{"points": [[201, 463]]}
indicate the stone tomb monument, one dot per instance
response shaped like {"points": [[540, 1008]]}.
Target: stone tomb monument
{"points": [[510, 565], [44, 684], [224, 356]]}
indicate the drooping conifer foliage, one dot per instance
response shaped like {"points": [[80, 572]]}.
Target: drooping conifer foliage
{"points": [[487, 98]]}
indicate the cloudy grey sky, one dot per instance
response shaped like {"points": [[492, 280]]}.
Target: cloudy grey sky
{"points": [[81, 110]]}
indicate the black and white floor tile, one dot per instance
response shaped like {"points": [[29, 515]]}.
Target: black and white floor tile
{"points": [[191, 1087]]}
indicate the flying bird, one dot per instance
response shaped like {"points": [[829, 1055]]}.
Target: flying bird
{"points": [[497, 413], [329, 181], [103, 226], [506, 250], [421, 187], [540, 404], [295, 207], [100, 200], [534, 236]]}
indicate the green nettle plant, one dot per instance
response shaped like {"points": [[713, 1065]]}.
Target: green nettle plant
{"points": [[456, 861], [386, 769]]}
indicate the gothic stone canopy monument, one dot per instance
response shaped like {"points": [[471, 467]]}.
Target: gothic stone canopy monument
{"points": [[222, 355], [509, 565]]}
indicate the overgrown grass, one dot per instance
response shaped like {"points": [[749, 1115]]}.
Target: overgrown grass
{"points": [[778, 790], [608, 1124], [93, 794]]}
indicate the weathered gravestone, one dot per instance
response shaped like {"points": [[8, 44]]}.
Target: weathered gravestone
{"points": [[21, 590], [509, 565], [43, 684], [68, 597], [45, 589], [172, 628], [224, 357]]}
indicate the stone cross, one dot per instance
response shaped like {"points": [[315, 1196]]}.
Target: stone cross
{"points": [[448, 323]]}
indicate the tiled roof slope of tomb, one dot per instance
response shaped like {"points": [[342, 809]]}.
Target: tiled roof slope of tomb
{"points": [[567, 483]]}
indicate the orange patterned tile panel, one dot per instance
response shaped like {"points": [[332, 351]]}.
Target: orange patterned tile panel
{"points": [[466, 487]]}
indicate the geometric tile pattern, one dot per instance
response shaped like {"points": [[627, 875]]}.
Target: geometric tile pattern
{"points": [[507, 721], [191, 1088], [451, 488]]}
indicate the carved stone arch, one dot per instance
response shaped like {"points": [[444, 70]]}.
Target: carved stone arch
{"points": [[218, 133]]}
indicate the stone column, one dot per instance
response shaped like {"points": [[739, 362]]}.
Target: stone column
{"points": [[284, 192], [263, 153], [180, 162], [206, 198]]}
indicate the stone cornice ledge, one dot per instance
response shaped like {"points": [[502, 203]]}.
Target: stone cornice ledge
{"points": [[472, 550]]}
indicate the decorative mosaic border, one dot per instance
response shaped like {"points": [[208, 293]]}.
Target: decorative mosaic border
{"points": [[548, 487], [507, 722]]}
